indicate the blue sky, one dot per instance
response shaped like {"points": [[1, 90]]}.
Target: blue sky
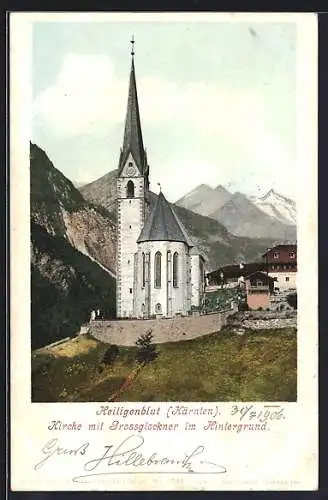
{"points": [[217, 100]]}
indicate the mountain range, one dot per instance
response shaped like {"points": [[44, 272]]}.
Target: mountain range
{"points": [[73, 246], [271, 215], [276, 205], [214, 240]]}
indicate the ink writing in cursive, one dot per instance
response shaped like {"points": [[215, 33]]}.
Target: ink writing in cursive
{"points": [[129, 455], [52, 448]]}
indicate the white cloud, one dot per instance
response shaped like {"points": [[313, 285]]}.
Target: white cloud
{"points": [[230, 140], [88, 93]]}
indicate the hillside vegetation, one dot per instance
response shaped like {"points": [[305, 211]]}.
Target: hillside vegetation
{"points": [[258, 366], [73, 247], [65, 286]]}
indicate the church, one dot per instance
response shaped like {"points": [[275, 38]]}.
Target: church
{"points": [[160, 272]]}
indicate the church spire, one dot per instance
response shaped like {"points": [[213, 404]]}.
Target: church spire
{"points": [[132, 142]]}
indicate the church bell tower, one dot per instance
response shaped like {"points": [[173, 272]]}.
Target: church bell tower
{"points": [[132, 189]]}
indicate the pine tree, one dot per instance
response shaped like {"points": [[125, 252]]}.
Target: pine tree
{"points": [[146, 350]]}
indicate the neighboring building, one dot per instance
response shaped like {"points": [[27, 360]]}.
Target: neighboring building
{"points": [[259, 287], [281, 264], [233, 275], [158, 270]]}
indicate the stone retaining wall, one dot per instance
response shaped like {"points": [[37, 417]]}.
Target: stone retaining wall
{"points": [[252, 315], [257, 320], [126, 332], [264, 324]]}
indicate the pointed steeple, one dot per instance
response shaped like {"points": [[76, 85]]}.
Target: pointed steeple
{"points": [[132, 142]]}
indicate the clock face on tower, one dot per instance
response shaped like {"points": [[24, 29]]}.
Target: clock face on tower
{"points": [[130, 170]]}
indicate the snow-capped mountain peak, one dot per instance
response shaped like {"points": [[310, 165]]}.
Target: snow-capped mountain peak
{"points": [[276, 205]]}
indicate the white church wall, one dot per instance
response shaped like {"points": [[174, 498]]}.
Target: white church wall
{"points": [[139, 186], [197, 279], [172, 300], [141, 308], [180, 296]]}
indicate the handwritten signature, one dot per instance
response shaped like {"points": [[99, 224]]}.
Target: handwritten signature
{"points": [[129, 454]]}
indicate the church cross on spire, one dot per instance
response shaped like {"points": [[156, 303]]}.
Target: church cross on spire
{"points": [[132, 46]]}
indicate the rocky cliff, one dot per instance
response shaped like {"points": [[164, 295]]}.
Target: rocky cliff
{"points": [[72, 254], [60, 208]]}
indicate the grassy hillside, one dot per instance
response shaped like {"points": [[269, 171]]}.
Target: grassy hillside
{"points": [[259, 366]]}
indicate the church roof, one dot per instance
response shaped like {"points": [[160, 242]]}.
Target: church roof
{"points": [[164, 225], [132, 142]]}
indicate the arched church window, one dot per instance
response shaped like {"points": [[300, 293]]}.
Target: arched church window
{"points": [[158, 308], [158, 269], [143, 269], [130, 189], [168, 267], [175, 269]]}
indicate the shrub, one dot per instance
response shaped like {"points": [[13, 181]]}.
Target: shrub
{"points": [[110, 355], [74, 368], [146, 350], [292, 300]]}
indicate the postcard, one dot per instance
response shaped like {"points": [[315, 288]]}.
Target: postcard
{"points": [[163, 232]]}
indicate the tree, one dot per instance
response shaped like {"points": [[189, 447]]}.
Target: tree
{"points": [[146, 350], [110, 354]]}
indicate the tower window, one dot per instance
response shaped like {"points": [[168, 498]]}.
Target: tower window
{"points": [[175, 269], [158, 269], [130, 189], [130, 290]]}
